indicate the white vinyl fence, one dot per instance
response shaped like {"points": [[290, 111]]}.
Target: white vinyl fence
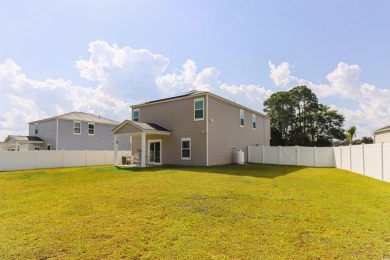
{"points": [[24, 160], [372, 160], [292, 155]]}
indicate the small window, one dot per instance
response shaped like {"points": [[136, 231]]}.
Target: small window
{"points": [[199, 109], [241, 118], [36, 128], [136, 115], [76, 127], [186, 148], [36, 148], [254, 121], [48, 147], [91, 128]]}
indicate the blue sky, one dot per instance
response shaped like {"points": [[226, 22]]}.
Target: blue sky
{"points": [[102, 56]]}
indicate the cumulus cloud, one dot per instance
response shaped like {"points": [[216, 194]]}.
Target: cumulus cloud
{"points": [[372, 109]]}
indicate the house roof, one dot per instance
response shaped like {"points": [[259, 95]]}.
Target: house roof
{"points": [[383, 129], [147, 127], [24, 139], [195, 93], [80, 116]]}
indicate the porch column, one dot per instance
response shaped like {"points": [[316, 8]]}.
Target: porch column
{"points": [[143, 152], [115, 150]]}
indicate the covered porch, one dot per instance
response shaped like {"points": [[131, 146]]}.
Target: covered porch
{"points": [[21, 143], [139, 129]]}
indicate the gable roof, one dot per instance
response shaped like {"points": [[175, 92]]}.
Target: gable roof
{"points": [[195, 93], [147, 127], [383, 129], [80, 116], [24, 139]]}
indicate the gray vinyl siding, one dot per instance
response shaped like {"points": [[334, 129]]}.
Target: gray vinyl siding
{"points": [[47, 132], [103, 139], [178, 116], [382, 137], [226, 135]]}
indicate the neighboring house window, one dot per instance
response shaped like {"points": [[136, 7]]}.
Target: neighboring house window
{"points": [[241, 117], [36, 128], [198, 109], [36, 148], [91, 128], [48, 147], [254, 121], [186, 148], [136, 115], [76, 127]]}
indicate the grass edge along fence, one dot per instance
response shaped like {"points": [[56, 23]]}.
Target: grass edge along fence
{"points": [[366, 159]]}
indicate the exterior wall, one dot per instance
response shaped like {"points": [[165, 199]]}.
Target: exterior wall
{"points": [[226, 135], [103, 139], [178, 116], [382, 137], [47, 131]]}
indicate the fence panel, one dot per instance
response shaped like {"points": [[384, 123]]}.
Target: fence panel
{"points": [[325, 157], [337, 156], [48, 159], [306, 156], [346, 158], [255, 154], [271, 155], [373, 161], [288, 155], [357, 162], [386, 162]]}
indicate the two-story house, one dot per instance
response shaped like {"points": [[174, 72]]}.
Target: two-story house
{"points": [[76, 131], [197, 128]]}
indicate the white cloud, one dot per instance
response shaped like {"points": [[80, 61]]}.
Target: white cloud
{"points": [[344, 84]]}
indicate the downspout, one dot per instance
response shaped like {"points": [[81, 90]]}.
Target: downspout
{"points": [[207, 130], [57, 148]]}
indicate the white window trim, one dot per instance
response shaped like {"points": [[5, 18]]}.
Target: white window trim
{"points": [[93, 128], [181, 150], [195, 100], [74, 123], [254, 121], [139, 114], [243, 117]]}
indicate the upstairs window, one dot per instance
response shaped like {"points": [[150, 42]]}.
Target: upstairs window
{"points": [[136, 115], [186, 148], [241, 118], [91, 128], [198, 109], [76, 127], [36, 128], [253, 121]]}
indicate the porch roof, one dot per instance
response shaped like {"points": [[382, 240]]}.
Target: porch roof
{"points": [[129, 127], [21, 139]]}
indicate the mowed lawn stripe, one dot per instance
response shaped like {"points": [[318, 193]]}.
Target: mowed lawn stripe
{"points": [[232, 211]]}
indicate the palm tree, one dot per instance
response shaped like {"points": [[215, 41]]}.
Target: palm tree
{"points": [[350, 134]]}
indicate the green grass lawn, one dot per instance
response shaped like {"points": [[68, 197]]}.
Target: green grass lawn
{"points": [[234, 211]]}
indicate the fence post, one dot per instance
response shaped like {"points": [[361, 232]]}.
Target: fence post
{"points": [[364, 165], [263, 154], [249, 153], [382, 166], [279, 148], [35, 159], [85, 158], [341, 158], [315, 156], [350, 157], [297, 153]]}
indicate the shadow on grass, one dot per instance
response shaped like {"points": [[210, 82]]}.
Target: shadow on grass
{"points": [[269, 171]]}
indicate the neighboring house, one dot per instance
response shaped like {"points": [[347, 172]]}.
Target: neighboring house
{"points": [[382, 135], [20, 142], [197, 128], [75, 131]]}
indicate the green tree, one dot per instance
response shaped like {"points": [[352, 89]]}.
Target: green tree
{"points": [[298, 119], [350, 134]]}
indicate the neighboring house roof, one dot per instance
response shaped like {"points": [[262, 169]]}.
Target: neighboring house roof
{"points": [[383, 129], [195, 93], [24, 139], [346, 142], [80, 116], [147, 127]]}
